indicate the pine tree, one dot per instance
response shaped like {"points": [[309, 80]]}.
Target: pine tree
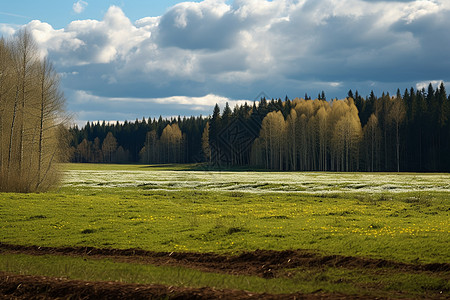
{"points": [[214, 130], [205, 143]]}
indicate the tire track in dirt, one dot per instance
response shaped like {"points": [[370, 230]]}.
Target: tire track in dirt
{"points": [[39, 287], [263, 263]]}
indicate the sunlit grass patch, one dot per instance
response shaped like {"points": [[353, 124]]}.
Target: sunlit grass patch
{"points": [[402, 218], [178, 215], [208, 221]]}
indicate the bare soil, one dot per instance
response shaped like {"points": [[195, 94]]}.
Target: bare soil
{"points": [[263, 263], [40, 287]]}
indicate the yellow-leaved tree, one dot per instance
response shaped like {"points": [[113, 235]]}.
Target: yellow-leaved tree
{"points": [[347, 136]]}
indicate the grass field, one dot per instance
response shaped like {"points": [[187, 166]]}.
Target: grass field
{"points": [[396, 217]]}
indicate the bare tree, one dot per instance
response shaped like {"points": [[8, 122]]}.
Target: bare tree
{"points": [[32, 118], [109, 147], [372, 136], [83, 151], [397, 116], [6, 87], [291, 131], [50, 110], [150, 151], [25, 54]]}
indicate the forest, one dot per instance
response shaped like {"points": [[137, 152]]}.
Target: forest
{"points": [[148, 141], [409, 131]]}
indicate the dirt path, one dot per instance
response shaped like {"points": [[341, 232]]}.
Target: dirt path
{"points": [[40, 287], [263, 263]]}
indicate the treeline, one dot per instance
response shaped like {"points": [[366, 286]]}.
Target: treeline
{"points": [[405, 132], [176, 140], [33, 134]]}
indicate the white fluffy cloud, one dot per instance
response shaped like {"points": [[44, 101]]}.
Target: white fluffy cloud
{"points": [[128, 108], [79, 6], [203, 103], [200, 49], [90, 41], [434, 83]]}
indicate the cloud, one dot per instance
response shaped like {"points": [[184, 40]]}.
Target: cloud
{"points": [[206, 102], [90, 41], [204, 25], [7, 30], [79, 6], [124, 108], [254, 38], [197, 50], [56, 42], [426, 83]]}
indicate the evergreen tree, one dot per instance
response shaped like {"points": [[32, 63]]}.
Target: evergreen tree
{"points": [[409, 132], [214, 130]]}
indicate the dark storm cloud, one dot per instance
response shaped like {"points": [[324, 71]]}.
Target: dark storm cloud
{"points": [[280, 47], [194, 26], [433, 37]]}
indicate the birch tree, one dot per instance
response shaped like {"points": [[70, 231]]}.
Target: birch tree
{"points": [[322, 123], [25, 55], [346, 138], [372, 137], [291, 131], [33, 130], [397, 116], [171, 143], [109, 147], [273, 138]]}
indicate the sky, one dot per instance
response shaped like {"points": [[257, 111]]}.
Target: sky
{"points": [[127, 59]]}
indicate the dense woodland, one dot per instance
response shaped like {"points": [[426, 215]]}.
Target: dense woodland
{"points": [[176, 140], [33, 131], [409, 131]]}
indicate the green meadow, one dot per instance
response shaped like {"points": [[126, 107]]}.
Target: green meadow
{"points": [[398, 217], [371, 282]]}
